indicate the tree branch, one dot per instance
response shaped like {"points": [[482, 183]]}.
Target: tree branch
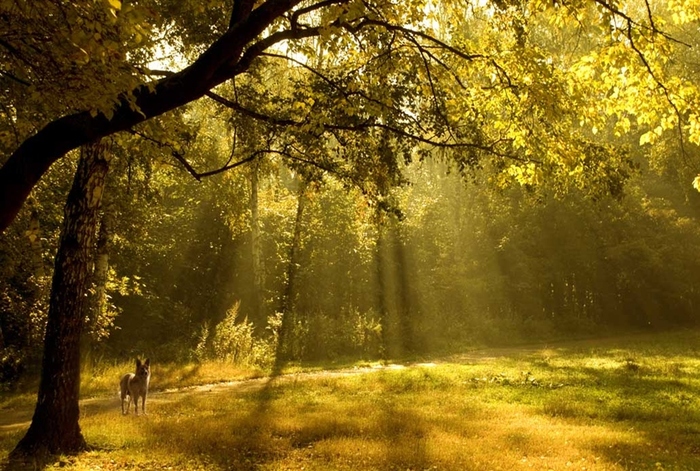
{"points": [[294, 20], [240, 11], [199, 175], [35, 155], [344, 92], [15, 78], [454, 144], [630, 21]]}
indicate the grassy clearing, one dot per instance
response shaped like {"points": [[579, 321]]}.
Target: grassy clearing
{"points": [[629, 404]]}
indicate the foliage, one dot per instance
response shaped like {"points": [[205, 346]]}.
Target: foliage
{"points": [[233, 341], [556, 98], [347, 334], [527, 86]]}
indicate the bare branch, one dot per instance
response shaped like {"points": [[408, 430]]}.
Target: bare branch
{"points": [[257, 49], [253, 114], [178, 156], [659, 84], [370, 124], [199, 175], [420, 34], [238, 163]]}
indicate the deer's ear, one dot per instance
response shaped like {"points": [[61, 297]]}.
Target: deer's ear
{"points": [[148, 362], [138, 363]]}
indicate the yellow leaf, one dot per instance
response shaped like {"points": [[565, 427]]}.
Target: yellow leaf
{"points": [[696, 183], [116, 4], [647, 138]]}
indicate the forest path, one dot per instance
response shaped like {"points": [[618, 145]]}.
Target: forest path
{"points": [[13, 418]]}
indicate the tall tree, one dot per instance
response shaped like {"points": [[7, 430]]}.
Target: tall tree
{"points": [[54, 427], [255, 245], [286, 346], [100, 276]]}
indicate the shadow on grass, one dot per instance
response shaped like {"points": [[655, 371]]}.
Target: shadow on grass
{"points": [[662, 410], [280, 421]]}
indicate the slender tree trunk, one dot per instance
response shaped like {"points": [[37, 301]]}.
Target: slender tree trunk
{"points": [[101, 273], [255, 248], [394, 296], [405, 309], [54, 428], [287, 301], [34, 236], [382, 292]]}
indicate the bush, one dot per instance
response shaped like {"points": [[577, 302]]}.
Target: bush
{"points": [[234, 341]]}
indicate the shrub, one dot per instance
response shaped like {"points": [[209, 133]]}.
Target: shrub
{"points": [[234, 341]]}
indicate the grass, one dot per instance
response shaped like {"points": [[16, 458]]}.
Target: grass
{"points": [[617, 404]]}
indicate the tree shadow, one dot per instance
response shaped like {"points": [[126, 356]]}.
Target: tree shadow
{"points": [[662, 413], [271, 433]]}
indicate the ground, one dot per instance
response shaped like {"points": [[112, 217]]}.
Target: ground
{"points": [[623, 403]]}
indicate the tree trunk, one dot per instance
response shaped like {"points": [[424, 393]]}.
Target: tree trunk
{"points": [[100, 276], [394, 299], [382, 291], [404, 301], [54, 428], [255, 248], [34, 236], [285, 349]]}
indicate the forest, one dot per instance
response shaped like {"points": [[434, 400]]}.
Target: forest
{"points": [[289, 182]]}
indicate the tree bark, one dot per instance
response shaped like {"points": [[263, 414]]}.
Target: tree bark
{"points": [[54, 428]]}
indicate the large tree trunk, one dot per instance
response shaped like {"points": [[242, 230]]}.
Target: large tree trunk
{"points": [[54, 428]]}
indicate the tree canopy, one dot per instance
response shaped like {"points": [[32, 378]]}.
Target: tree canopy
{"points": [[528, 84]]}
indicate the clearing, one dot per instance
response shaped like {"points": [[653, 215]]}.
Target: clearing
{"points": [[629, 403]]}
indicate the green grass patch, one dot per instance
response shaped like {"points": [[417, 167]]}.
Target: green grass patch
{"points": [[617, 404]]}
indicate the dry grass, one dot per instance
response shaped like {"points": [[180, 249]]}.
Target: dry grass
{"points": [[561, 408]]}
